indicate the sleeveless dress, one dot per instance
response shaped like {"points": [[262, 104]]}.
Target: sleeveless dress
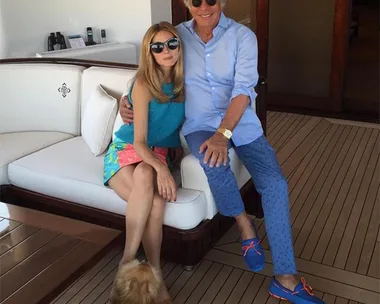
{"points": [[164, 122]]}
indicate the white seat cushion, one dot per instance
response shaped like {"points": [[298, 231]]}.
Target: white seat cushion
{"points": [[68, 170], [16, 145]]}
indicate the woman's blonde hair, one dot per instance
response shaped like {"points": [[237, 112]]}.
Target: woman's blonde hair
{"points": [[149, 71]]}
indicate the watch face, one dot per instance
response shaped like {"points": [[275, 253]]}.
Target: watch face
{"points": [[228, 133]]}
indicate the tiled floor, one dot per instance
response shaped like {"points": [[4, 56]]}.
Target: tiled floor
{"points": [[332, 168]]}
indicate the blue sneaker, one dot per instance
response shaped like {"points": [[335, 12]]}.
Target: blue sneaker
{"points": [[302, 294], [253, 253]]}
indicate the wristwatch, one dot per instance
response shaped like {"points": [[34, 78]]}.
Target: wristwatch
{"points": [[226, 133]]}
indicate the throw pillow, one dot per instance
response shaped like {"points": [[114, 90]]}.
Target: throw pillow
{"points": [[98, 120]]}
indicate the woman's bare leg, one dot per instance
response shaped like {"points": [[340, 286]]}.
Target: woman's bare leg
{"points": [[152, 240], [136, 186]]}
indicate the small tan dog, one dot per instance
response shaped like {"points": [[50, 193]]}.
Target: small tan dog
{"points": [[135, 283]]}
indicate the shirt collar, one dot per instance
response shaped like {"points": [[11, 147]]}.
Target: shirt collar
{"points": [[223, 22]]}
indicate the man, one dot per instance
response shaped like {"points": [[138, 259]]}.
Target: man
{"points": [[220, 76]]}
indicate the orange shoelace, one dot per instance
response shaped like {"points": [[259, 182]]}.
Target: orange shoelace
{"points": [[305, 287], [251, 245]]}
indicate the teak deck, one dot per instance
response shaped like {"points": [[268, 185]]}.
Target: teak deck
{"points": [[332, 167]]}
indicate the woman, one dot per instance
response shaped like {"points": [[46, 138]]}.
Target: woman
{"points": [[135, 166]]}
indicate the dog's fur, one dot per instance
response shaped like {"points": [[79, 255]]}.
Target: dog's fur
{"points": [[135, 283]]}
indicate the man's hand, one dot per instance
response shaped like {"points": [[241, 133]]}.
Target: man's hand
{"points": [[216, 150], [126, 111]]}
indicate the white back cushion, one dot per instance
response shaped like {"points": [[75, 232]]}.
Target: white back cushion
{"points": [[40, 97], [113, 80]]}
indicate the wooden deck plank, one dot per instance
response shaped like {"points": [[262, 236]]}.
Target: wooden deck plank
{"points": [[23, 250], [279, 117], [364, 152], [314, 176], [50, 278], [216, 285], [329, 299], [71, 291], [318, 193], [240, 288], [301, 135], [305, 201], [336, 177], [371, 236], [173, 276], [28, 269], [228, 286], [280, 128], [252, 289], [341, 301], [7, 226], [374, 268], [262, 295], [351, 163], [358, 204], [299, 146], [361, 231], [204, 284], [16, 236], [186, 290], [96, 280], [297, 123]]}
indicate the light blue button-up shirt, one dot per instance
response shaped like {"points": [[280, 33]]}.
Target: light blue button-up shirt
{"points": [[215, 73]]}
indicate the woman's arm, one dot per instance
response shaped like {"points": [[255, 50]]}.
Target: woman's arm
{"points": [[141, 97], [165, 181]]}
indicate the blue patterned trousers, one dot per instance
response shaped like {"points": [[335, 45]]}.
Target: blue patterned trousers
{"points": [[261, 162]]}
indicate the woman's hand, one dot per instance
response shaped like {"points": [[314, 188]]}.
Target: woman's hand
{"points": [[176, 155], [216, 150], [126, 111], [166, 185]]}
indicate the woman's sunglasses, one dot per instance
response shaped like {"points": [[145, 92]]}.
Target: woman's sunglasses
{"points": [[158, 47], [198, 3]]}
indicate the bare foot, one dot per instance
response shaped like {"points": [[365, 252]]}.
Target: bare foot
{"points": [[163, 295], [289, 281], [244, 224]]}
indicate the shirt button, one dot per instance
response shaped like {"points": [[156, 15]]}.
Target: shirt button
{"points": [[208, 55], [213, 88], [208, 74]]}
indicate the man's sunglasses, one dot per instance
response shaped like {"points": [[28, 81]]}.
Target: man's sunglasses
{"points": [[198, 3], [158, 47]]}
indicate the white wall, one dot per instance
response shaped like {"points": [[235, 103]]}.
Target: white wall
{"points": [[2, 37], [27, 23], [161, 10]]}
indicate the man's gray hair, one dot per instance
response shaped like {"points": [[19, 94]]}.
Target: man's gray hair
{"points": [[222, 2]]}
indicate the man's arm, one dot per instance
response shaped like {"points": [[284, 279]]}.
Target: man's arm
{"points": [[246, 78], [243, 94]]}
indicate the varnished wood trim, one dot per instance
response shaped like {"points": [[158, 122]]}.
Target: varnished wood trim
{"points": [[262, 17], [339, 53], [180, 12]]}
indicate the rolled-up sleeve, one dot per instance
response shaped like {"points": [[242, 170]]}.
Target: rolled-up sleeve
{"points": [[246, 75]]}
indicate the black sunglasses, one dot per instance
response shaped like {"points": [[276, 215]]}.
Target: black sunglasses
{"points": [[198, 3], [158, 47]]}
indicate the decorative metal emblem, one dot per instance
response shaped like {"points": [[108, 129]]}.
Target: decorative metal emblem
{"points": [[64, 90]]}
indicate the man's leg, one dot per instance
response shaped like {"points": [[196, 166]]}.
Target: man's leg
{"points": [[260, 160], [221, 180], [228, 200]]}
